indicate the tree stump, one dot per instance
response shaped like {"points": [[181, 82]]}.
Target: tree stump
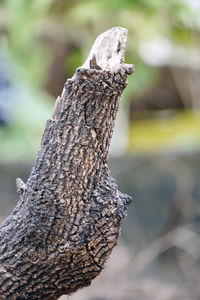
{"points": [[68, 216]]}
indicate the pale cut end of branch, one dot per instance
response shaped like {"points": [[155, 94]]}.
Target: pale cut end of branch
{"points": [[108, 51]]}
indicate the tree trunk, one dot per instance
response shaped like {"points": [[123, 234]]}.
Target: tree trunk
{"points": [[68, 217]]}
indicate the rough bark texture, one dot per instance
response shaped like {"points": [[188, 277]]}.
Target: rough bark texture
{"points": [[68, 217]]}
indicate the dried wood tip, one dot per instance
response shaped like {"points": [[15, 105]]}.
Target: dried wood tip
{"points": [[108, 51]]}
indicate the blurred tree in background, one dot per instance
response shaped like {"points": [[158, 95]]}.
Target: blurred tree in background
{"points": [[43, 42]]}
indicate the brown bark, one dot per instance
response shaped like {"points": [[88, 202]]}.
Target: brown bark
{"points": [[68, 217]]}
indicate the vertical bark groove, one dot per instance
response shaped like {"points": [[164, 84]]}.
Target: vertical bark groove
{"points": [[68, 217]]}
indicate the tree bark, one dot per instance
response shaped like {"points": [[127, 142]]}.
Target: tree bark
{"points": [[68, 216]]}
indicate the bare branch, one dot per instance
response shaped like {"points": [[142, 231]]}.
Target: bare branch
{"points": [[67, 220]]}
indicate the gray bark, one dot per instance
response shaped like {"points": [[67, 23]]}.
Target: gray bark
{"points": [[68, 216]]}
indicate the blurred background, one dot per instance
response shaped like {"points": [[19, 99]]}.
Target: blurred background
{"points": [[155, 153]]}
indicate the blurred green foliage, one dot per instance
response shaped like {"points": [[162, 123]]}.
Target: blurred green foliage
{"points": [[28, 23], [33, 32], [181, 131]]}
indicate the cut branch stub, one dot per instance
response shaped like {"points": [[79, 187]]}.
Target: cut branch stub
{"points": [[68, 218], [108, 51]]}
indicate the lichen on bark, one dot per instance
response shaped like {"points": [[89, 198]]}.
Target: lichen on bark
{"points": [[67, 220]]}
